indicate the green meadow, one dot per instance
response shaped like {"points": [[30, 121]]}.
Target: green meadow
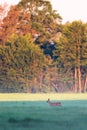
{"points": [[38, 115]]}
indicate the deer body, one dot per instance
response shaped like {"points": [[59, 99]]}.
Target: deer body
{"points": [[53, 103]]}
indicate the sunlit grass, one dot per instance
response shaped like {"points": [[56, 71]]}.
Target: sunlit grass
{"points": [[41, 97]]}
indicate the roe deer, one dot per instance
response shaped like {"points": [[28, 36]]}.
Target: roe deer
{"points": [[53, 103]]}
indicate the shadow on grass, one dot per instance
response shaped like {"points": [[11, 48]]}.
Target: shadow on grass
{"points": [[36, 121], [26, 120]]}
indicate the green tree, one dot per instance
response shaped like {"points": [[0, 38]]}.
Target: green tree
{"points": [[22, 61], [70, 50]]}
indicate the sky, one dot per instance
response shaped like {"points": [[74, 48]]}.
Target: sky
{"points": [[9, 1], [69, 10]]}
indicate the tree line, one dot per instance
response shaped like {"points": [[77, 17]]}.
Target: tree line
{"points": [[40, 54]]}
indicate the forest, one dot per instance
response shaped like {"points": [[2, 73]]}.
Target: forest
{"points": [[39, 54]]}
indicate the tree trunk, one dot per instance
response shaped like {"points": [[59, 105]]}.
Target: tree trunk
{"points": [[85, 86], [79, 80], [79, 64], [75, 78], [40, 79]]}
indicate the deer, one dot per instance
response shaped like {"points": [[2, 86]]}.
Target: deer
{"points": [[53, 103]]}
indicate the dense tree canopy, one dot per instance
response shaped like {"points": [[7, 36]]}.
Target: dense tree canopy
{"points": [[21, 59], [40, 54], [35, 17]]}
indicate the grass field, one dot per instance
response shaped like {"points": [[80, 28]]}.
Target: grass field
{"points": [[17, 113]]}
